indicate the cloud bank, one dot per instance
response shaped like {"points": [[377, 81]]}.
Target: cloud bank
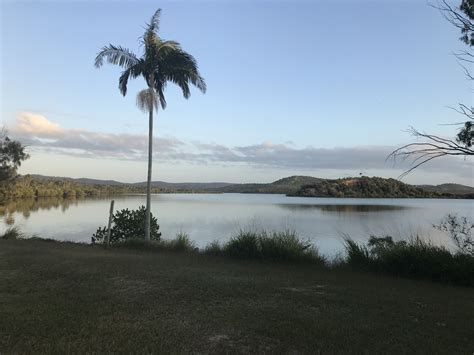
{"points": [[38, 132]]}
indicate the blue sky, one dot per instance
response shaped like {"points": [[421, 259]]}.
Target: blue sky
{"points": [[287, 80]]}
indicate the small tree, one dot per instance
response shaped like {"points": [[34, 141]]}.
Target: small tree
{"points": [[431, 146], [161, 62], [12, 153]]}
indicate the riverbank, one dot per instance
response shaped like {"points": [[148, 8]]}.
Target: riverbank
{"points": [[61, 297]]}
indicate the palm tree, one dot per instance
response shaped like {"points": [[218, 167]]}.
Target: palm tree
{"points": [[162, 62]]}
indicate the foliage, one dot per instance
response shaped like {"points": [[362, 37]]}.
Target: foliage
{"points": [[128, 224], [364, 187], [28, 186], [277, 246], [460, 229], [12, 153], [461, 17], [414, 258]]}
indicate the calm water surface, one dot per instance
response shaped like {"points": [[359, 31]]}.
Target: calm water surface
{"points": [[207, 217]]}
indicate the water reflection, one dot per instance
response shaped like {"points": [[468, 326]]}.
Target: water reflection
{"points": [[340, 208], [25, 206], [207, 217]]}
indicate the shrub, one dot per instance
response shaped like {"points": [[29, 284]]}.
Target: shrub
{"points": [[413, 258], [128, 224]]}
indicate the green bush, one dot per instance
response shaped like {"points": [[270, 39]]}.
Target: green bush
{"points": [[413, 258], [128, 224], [277, 246]]}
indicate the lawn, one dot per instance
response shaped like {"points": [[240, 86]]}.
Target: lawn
{"points": [[61, 297]]}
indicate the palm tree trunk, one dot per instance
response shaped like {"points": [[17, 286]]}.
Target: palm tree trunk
{"points": [[148, 182]]}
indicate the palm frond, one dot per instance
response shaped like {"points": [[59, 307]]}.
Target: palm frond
{"points": [[164, 48], [160, 85], [181, 67], [116, 55], [154, 24], [134, 71], [147, 100]]}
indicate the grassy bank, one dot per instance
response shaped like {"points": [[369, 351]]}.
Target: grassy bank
{"points": [[59, 297]]}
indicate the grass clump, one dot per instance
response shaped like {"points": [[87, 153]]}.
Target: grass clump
{"points": [[276, 246], [213, 248], [12, 233], [182, 242], [244, 245], [414, 258]]}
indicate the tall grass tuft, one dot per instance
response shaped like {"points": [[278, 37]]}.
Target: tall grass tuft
{"points": [[213, 248], [357, 254], [414, 258], [12, 233], [244, 245], [182, 242], [276, 246]]}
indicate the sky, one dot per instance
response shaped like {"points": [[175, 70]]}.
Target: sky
{"points": [[322, 88]]}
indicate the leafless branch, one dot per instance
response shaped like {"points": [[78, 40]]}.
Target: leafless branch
{"points": [[430, 148]]}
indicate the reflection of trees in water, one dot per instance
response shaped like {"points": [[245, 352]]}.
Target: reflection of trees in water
{"points": [[25, 206], [344, 208]]}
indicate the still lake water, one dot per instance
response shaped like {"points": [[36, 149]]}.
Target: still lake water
{"points": [[208, 217]]}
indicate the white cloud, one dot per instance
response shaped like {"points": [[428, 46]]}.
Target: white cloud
{"points": [[37, 131]]}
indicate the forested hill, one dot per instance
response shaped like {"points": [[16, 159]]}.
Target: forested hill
{"points": [[288, 185], [44, 186], [375, 187]]}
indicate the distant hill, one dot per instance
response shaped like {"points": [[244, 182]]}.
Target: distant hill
{"points": [[376, 187], [293, 185], [85, 181], [154, 184], [184, 185], [449, 188], [289, 185]]}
